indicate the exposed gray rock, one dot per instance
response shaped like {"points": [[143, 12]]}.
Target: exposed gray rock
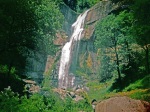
{"points": [[70, 18]]}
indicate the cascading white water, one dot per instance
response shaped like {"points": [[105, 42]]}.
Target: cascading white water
{"points": [[78, 27]]}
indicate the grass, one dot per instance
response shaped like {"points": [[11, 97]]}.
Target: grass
{"points": [[98, 90], [140, 89], [140, 94], [139, 84]]}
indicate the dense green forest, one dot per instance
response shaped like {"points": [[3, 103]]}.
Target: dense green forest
{"points": [[122, 42], [126, 35], [26, 27]]}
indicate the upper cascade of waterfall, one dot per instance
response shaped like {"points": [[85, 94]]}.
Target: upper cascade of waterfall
{"points": [[78, 27]]}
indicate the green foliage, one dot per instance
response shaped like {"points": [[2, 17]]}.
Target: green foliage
{"points": [[139, 84], [35, 104], [27, 27], [141, 95], [81, 74], [113, 37], [72, 106], [11, 79], [50, 102], [83, 5], [142, 27], [114, 29], [4, 69], [98, 91], [9, 98], [11, 102], [17, 34], [49, 20]]}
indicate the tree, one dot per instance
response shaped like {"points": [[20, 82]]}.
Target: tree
{"points": [[26, 27], [106, 65], [49, 20], [107, 37], [141, 12], [17, 34], [112, 35]]}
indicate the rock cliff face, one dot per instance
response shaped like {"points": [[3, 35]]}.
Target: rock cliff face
{"points": [[36, 67], [70, 17], [97, 12], [84, 55]]}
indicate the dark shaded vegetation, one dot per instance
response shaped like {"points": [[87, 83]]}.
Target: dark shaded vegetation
{"points": [[17, 38], [16, 84], [26, 27], [17, 35], [71, 3], [123, 1], [80, 5]]}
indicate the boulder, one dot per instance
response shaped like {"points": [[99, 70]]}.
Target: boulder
{"points": [[34, 89], [31, 86], [79, 92], [122, 104], [78, 98], [72, 94]]}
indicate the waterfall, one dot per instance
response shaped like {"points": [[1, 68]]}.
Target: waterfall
{"points": [[63, 77]]}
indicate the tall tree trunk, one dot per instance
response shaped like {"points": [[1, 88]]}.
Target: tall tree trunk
{"points": [[117, 63], [128, 50], [147, 58]]}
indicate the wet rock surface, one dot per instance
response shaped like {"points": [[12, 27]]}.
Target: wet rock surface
{"points": [[96, 13]]}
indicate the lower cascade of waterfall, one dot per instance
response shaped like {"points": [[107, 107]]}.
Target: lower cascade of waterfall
{"points": [[64, 79]]}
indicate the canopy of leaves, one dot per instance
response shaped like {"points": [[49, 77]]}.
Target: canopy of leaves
{"points": [[17, 32], [126, 30], [40, 103], [26, 26], [114, 29], [113, 37], [23, 22], [80, 5], [49, 20], [142, 24]]}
